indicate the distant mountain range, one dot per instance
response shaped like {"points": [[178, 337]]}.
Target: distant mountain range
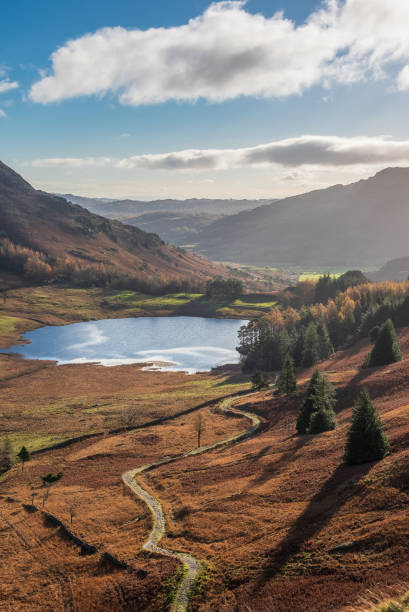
{"points": [[52, 226], [176, 221], [358, 225], [396, 269]]}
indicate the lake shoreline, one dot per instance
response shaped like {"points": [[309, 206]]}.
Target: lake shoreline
{"points": [[29, 308], [176, 343]]}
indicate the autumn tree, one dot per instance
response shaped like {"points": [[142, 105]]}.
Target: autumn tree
{"points": [[366, 440]]}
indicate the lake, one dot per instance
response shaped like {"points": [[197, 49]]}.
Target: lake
{"points": [[190, 344]]}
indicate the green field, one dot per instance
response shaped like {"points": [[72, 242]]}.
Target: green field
{"points": [[8, 324], [316, 275]]}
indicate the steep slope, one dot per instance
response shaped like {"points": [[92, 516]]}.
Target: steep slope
{"points": [[354, 225], [51, 225]]}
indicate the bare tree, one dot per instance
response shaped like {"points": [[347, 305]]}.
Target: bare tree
{"points": [[198, 425], [73, 512], [128, 417], [45, 496]]}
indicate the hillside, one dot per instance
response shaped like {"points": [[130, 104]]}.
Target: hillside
{"points": [[280, 522], [52, 226], [357, 225], [176, 221], [123, 209], [396, 269], [175, 227]]}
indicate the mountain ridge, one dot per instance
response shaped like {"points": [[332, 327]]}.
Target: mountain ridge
{"points": [[342, 225], [52, 226]]}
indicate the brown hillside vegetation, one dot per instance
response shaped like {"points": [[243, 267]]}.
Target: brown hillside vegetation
{"points": [[281, 522], [50, 225], [42, 569], [284, 524]]}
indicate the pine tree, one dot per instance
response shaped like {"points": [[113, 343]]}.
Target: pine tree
{"points": [[258, 380], [323, 417], [366, 440], [307, 408], [325, 347], [320, 397], [311, 349], [386, 349], [24, 456], [374, 333], [322, 420], [287, 384]]}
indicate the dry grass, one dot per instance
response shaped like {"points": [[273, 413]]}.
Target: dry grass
{"points": [[281, 522]]}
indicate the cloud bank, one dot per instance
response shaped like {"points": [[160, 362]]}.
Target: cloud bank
{"points": [[7, 85], [322, 151], [228, 52]]}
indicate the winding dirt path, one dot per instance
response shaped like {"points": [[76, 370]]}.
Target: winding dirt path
{"points": [[191, 564]]}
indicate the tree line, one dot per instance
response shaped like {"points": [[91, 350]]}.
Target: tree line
{"points": [[41, 267], [312, 332]]}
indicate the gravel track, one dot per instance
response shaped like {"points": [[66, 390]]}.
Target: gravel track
{"points": [[192, 566]]}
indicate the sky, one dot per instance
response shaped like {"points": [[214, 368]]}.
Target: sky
{"points": [[193, 98]]}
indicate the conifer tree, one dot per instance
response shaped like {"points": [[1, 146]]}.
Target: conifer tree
{"points": [[311, 349], [323, 417], [307, 408], [322, 420], [366, 440], [325, 347], [287, 384], [24, 456], [386, 349], [258, 380], [319, 398]]}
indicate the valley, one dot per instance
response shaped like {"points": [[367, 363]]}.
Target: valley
{"points": [[299, 522], [175, 491]]}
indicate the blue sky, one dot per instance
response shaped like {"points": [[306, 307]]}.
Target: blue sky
{"points": [[101, 120]]}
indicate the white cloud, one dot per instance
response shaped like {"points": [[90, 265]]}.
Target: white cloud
{"points": [[7, 85], [228, 52], [2, 114], [71, 162], [318, 151], [403, 79]]}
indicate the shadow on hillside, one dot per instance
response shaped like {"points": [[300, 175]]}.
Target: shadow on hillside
{"points": [[270, 469], [347, 395], [317, 514], [201, 306]]}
